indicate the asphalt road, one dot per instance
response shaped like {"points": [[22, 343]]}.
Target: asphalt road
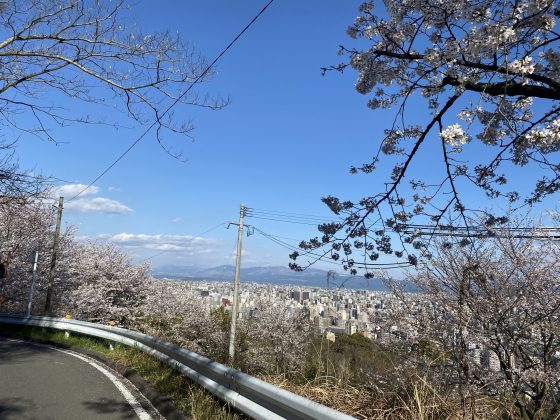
{"points": [[40, 382]]}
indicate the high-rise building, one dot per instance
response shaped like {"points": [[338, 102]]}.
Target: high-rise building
{"points": [[296, 295], [351, 327]]}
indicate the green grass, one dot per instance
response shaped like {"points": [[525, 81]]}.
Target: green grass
{"points": [[188, 397]]}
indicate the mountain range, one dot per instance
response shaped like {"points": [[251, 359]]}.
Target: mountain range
{"points": [[310, 277]]}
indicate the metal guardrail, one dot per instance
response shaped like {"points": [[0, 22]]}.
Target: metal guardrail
{"points": [[256, 398]]}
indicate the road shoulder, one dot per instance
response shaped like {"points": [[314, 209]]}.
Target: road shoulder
{"points": [[162, 404]]}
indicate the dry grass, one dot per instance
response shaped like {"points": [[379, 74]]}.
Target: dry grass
{"points": [[420, 401], [332, 393]]}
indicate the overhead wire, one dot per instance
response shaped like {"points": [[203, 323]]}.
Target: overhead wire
{"points": [[200, 76], [482, 231], [486, 235], [413, 229], [457, 228], [294, 248], [410, 229], [305, 219], [323, 259], [287, 217], [285, 221], [302, 218], [418, 229]]}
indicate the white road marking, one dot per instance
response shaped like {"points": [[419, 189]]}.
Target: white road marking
{"points": [[119, 384], [136, 406]]}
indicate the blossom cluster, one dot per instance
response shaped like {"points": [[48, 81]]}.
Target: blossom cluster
{"points": [[454, 135], [545, 138], [523, 66]]}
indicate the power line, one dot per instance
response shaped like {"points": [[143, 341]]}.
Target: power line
{"points": [[284, 214], [292, 247], [486, 235], [390, 265], [200, 76], [286, 217], [277, 241], [480, 231], [284, 220], [417, 229], [306, 219], [472, 228]]}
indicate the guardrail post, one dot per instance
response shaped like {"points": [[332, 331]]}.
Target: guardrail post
{"points": [[67, 333], [32, 289], [112, 344]]}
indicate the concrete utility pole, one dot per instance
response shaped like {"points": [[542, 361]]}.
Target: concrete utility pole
{"points": [[235, 307], [48, 302], [32, 290]]}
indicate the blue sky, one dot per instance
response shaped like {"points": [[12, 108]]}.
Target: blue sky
{"points": [[288, 138]]}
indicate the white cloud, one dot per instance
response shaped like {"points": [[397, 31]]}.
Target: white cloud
{"points": [[97, 205], [176, 220], [87, 204], [184, 244], [176, 249], [113, 189], [129, 237], [164, 247], [70, 190]]}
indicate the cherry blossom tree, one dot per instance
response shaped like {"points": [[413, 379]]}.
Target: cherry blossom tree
{"points": [[497, 316], [277, 338], [93, 281], [272, 341], [487, 75], [102, 284], [27, 226], [174, 312]]}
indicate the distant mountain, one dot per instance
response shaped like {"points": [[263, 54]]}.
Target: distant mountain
{"points": [[310, 277], [173, 269]]}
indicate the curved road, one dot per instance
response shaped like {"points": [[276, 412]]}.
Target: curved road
{"points": [[41, 382]]}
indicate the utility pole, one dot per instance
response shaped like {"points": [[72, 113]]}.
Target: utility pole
{"points": [[48, 302], [32, 290], [235, 308]]}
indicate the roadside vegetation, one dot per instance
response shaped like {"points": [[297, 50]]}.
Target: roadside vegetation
{"points": [[487, 73], [187, 397], [500, 292]]}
